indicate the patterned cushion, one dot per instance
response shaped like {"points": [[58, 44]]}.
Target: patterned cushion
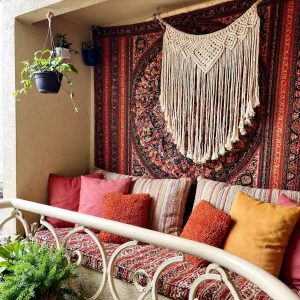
{"points": [[222, 195], [174, 282], [169, 199], [168, 204]]}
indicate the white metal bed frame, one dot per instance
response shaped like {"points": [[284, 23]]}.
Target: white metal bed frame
{"points": [[221, 260]]}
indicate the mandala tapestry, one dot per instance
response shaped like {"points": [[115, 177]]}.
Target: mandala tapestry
{"points": [[130, 131]]}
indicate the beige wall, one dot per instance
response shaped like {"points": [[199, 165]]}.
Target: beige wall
{"points": [[51, 137]]}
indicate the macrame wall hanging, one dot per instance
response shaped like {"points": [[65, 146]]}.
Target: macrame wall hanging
{"points": [[209, 86]]}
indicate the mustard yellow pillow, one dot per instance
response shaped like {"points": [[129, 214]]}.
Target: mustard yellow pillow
{"points": [[260, 231]]}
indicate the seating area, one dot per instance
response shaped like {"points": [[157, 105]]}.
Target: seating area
{"points": [[150, 150], [175, 281]]}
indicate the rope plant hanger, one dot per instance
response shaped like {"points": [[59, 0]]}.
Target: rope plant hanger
{"points": [[49, 36], [209, 86], [47, 69]]}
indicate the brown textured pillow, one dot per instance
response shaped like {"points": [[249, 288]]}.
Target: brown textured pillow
{"points": [[207, 225], [130, 209]]}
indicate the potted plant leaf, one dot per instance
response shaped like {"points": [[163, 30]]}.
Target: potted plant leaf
{"points": [[90, 54], [63, 48], [38, 274], [48, 71], [10, 253]]}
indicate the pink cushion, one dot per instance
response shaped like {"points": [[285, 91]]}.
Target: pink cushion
{"points": [[291, 263], [64, 192], [93, 190]]}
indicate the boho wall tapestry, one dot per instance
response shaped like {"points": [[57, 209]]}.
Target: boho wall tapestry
{"points": [[209, 86], [131, 134]]}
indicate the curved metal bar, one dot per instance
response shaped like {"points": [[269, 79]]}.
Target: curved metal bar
{"points": [[225, 278], [271, 285], [34, 228], [52, 230], [79, 256], [166, 263], [209, 275], [144, 290], [111, 265], [17, 214]]}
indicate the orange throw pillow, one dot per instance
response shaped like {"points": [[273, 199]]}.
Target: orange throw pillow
{"points": [[207, 225], [131, 209], [260, 231]]}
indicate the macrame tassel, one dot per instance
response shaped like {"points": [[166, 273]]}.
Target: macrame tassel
{"points": [[209, 86]]}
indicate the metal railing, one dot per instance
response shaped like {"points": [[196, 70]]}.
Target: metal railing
{"points": [[217, 270]]}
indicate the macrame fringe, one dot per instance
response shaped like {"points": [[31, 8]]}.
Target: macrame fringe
{"points": [[207, 109]]}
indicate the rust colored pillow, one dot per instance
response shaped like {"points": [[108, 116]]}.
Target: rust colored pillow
{"points": [[131, 209], [207, 225]]}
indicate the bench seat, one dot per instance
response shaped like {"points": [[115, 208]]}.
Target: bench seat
{"points": [[174, 282]]}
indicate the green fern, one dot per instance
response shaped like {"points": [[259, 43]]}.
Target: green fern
{"points": [[37, 274]]}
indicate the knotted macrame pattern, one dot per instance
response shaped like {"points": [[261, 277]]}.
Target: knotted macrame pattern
{"points": [[209, 86]]}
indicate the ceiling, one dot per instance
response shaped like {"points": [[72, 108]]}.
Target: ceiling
{"points": [[121, 12]]}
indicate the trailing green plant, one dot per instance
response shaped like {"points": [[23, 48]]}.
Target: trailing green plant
{"points": [[45, 61], [60, 40], [38, 274]]}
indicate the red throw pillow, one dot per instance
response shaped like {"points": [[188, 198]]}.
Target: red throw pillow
{"points": [[130, 209], [93, 190], [290, 269], [64, 192], [207, 225]]}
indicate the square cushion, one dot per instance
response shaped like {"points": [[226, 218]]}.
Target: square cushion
{"points": [[130, 209], [168, 202], [291, 261], [93, 190], [207, 225], [221, 195], [64, 192], [260, 231]]}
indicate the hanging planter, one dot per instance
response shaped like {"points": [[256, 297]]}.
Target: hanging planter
{"points": [[48, 82], [63, 48], [63, 52], [48, 70], [90, 54]]}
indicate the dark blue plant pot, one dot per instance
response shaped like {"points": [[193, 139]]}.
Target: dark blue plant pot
{"points": [[91, 57], [48, 82]]}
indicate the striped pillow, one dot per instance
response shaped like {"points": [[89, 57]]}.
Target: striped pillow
{"points": [[112, 175], [221, 195], [169, 199], [168, 202]]}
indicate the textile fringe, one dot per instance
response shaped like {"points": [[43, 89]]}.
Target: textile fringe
{"points": [[209, 86]]}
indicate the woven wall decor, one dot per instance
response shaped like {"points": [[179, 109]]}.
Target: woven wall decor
{"points": [[209, 86]]}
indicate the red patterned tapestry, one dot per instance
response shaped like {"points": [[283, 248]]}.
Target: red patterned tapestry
{"points": [[131, 135]]}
